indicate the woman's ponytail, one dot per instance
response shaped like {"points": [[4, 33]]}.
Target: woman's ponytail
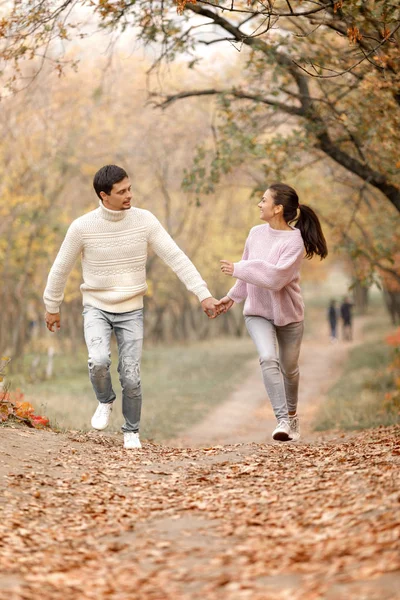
{"points": [[311, 232], [307, 222]]}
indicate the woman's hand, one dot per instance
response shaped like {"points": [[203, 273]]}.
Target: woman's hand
{"points": [[226, 267], [225, 304]]}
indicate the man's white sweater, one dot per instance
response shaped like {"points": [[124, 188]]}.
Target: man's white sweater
{"points": [[113, 247]]}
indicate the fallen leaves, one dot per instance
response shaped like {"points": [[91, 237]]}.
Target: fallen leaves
{"points": [[243, 521], [14, 408]]}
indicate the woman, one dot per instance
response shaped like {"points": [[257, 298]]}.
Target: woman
{"points": [[268, 280]]}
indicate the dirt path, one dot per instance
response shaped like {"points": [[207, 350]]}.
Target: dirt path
{"points": [[82, 519]]}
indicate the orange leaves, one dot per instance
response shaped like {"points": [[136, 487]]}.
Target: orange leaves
{"points": [[337, 6], [392, 397], [354, 35], [24, 410], [181, 5], [13, 406], [394, 338], [248, 521], [6, 410]]}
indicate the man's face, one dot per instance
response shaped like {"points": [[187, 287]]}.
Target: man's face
{"points": [[120, 196]]}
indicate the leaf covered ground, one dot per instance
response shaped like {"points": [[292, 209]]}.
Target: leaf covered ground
{"points": [[84, 519]]}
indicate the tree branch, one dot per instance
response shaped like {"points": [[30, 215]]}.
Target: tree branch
{"points": [[373, 261], [363, 170], [291, 110]]}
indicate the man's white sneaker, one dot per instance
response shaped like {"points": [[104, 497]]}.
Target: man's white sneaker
{"points": [[294, 428], [131, 440], [101, 417], [282, 431]]}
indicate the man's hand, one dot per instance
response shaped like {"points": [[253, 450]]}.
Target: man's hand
{"points": [[210, 307], [226, 267], [52, 319], [225, 304]]}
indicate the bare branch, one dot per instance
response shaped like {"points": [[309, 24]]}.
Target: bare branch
{"points": [[168, 100], [350, 69]]}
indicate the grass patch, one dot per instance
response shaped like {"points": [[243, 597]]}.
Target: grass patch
{"points": [[358, 400], [180, 385]]}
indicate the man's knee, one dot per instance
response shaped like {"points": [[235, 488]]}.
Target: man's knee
{"points": [[99, 366], [129, 372]]}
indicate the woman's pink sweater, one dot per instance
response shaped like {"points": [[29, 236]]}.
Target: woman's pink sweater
{"points": [[268, 275]]}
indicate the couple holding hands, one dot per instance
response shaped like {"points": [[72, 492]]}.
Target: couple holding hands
{"points": [[112, 241]]}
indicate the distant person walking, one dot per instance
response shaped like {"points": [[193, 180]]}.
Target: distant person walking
{"points": [[346, 309], [112, 241], [268, 281], [333, 319]]}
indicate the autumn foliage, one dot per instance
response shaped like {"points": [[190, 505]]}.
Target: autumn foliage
{"points": [[392, 397], [14, 407]]}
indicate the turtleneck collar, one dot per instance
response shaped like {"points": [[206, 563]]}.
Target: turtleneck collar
{"points": [[111, 215]]}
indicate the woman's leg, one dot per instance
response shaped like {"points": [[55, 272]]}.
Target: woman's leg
{"points": [[263, 334], [289, 340]]}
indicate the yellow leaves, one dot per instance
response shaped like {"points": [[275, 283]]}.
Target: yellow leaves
{"points": [[4, 360], [62, 32]]}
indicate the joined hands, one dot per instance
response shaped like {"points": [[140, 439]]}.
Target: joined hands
{"points": [[212, 307]]}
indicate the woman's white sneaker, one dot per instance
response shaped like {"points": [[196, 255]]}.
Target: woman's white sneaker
{"points": [[101, 417], [294, 428], [131, 440], [282, 431]]}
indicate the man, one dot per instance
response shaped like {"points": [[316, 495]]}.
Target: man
{"points": [[112, 241], [347, 319]]}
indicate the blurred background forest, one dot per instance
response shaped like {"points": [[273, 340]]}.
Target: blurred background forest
{"points": [[204, 104]]}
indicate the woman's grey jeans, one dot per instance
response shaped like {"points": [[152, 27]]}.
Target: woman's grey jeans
{"points": [[280, 368], [128, 329]]}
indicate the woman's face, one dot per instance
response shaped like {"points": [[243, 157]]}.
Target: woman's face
{"points": [[267, 206]]}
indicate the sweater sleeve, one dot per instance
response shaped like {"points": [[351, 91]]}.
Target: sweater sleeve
{"points": [[238, 292], [274, 277], [62, 266], [165, 247]]}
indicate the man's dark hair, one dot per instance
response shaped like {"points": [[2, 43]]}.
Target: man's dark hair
{"points": [[106, 177]]}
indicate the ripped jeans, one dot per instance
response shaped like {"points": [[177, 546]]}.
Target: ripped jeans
{"points": [[128, 329]]}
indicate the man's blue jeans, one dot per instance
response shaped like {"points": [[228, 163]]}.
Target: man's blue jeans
{"points": [[128, 329]]}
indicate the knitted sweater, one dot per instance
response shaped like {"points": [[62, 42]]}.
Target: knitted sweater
{"points": [[113, 247], [268, 275]]}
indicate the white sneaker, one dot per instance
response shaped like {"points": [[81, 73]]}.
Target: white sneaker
{"points": [[282, 431], [101, 417], [294, 428], [131, 440]]}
